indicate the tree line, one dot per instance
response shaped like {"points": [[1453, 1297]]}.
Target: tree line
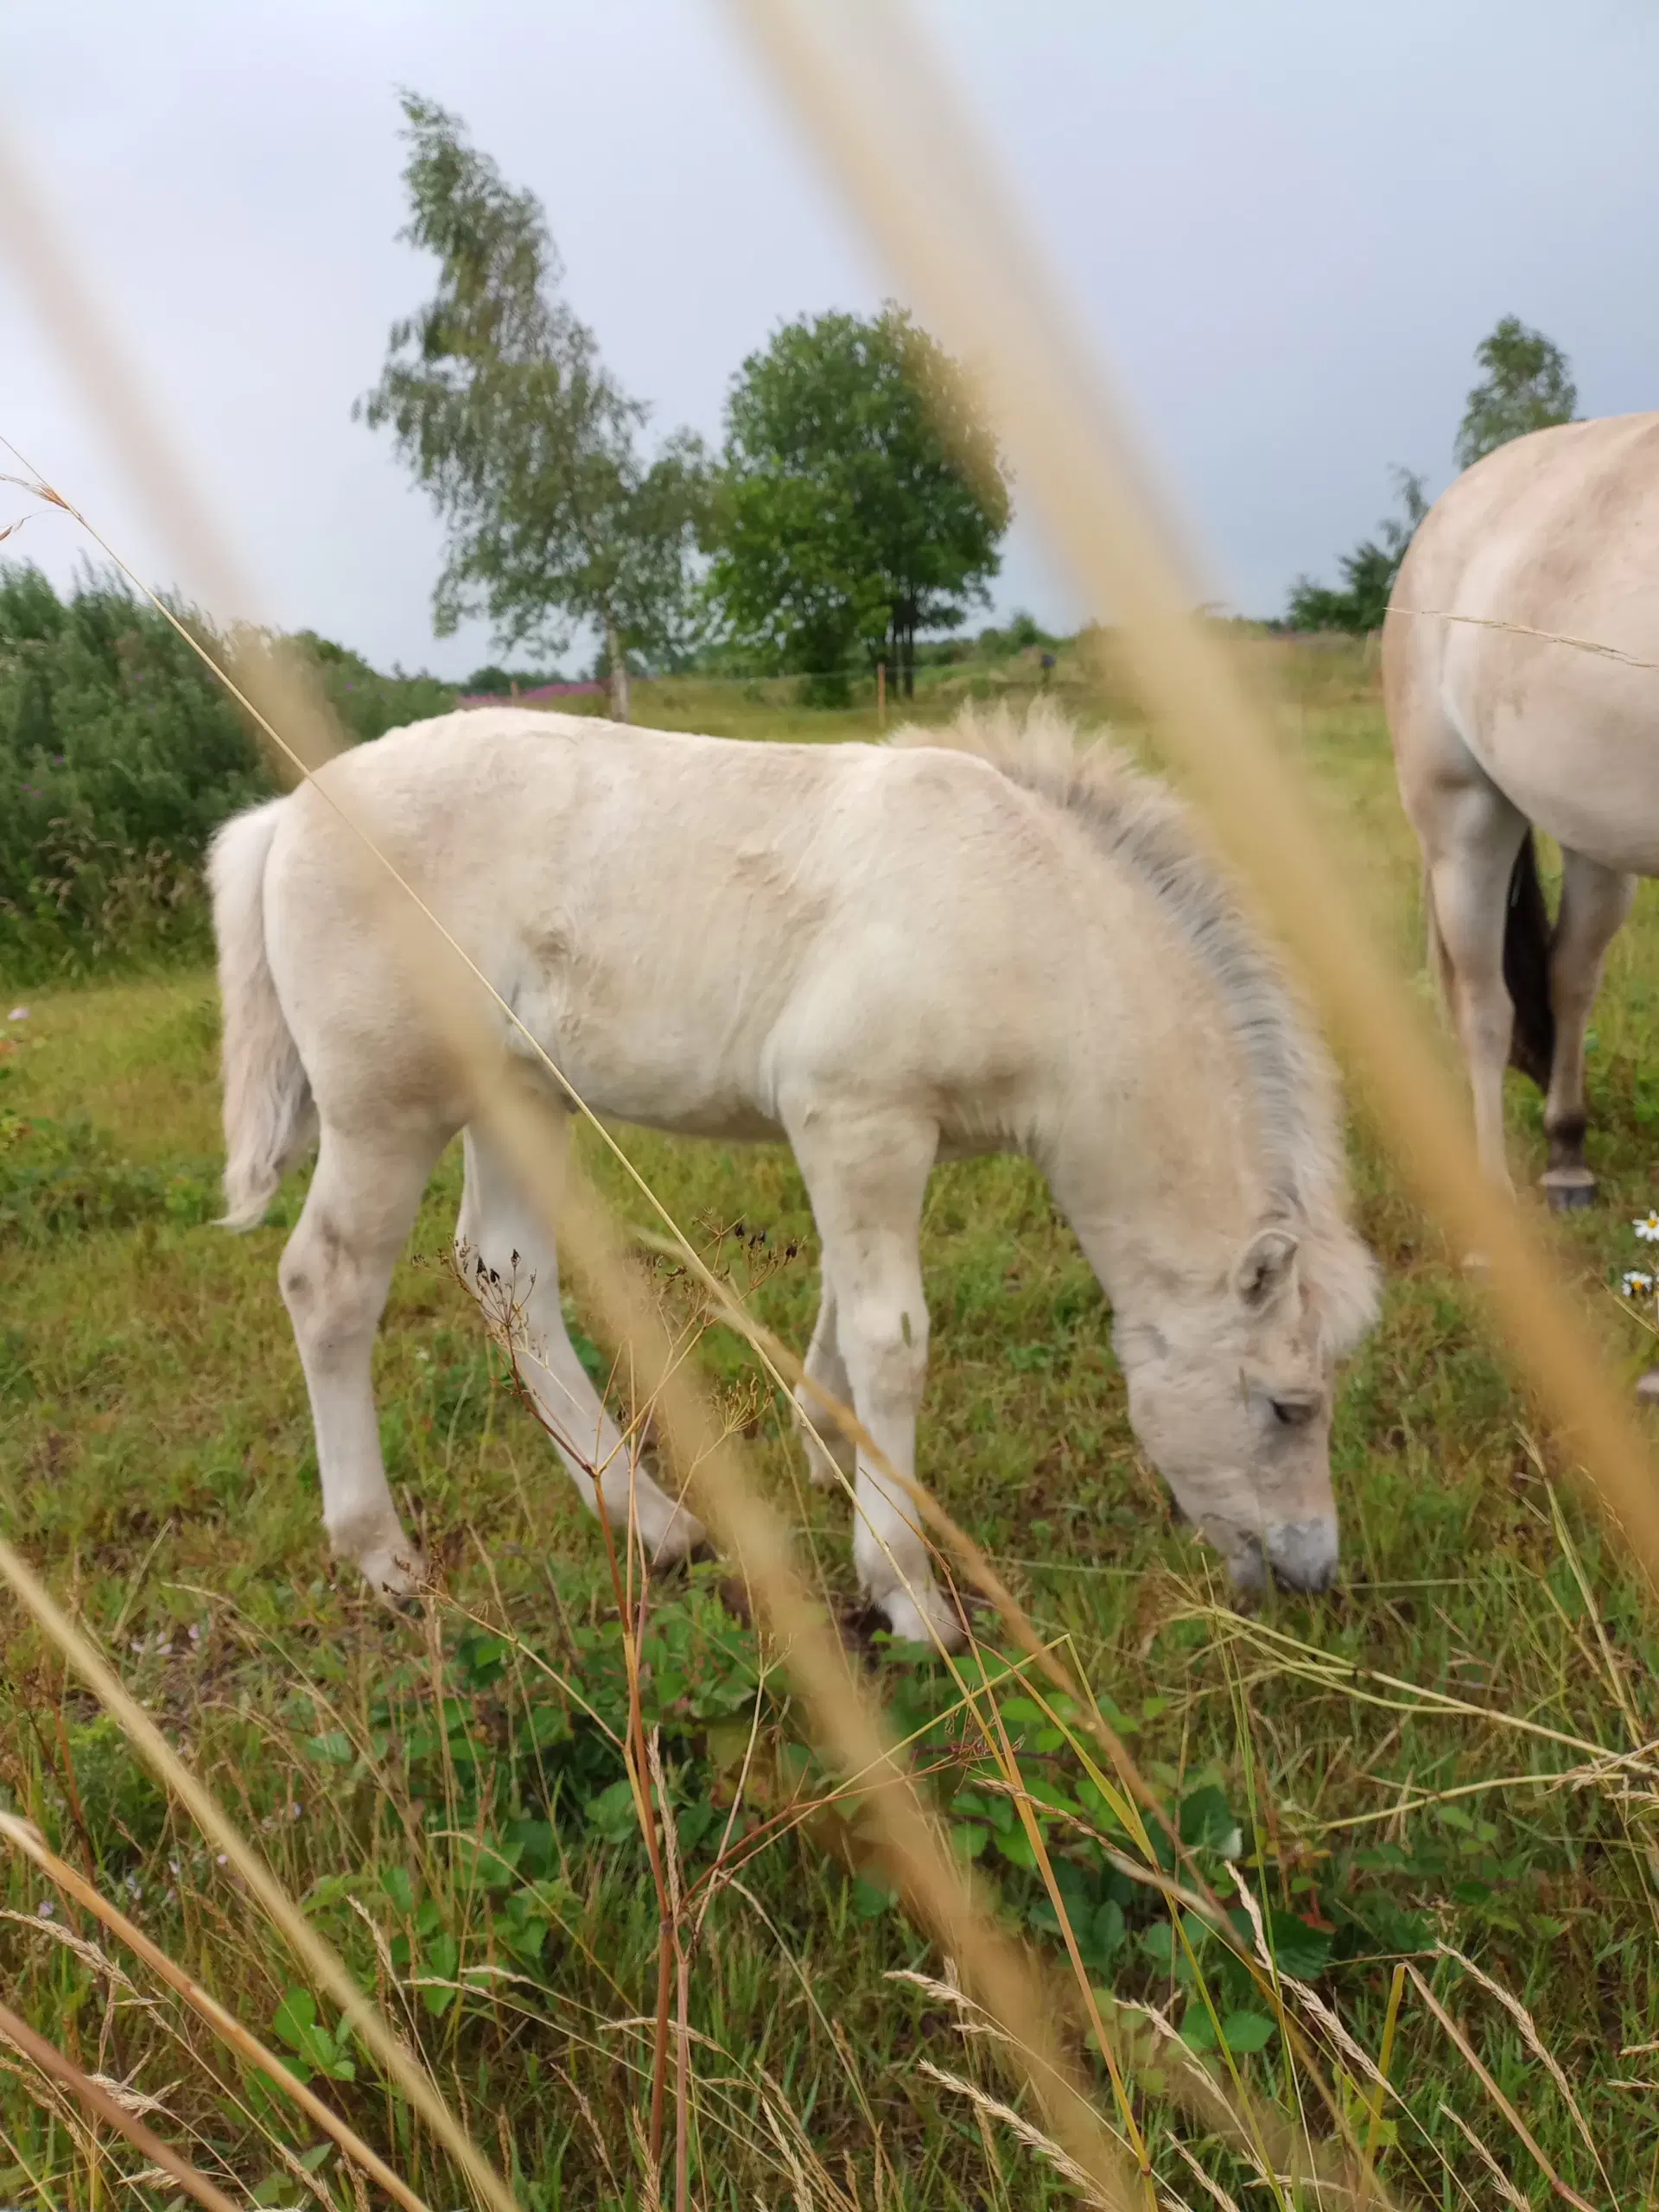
{"points": [[1525, 385], [853, 511], [855, 505]]}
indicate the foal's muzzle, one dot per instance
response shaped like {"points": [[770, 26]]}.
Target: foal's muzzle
{"points": [[1303, 1554]]}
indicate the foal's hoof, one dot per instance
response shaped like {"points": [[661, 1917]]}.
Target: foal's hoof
{"points": [[734, 1595], [398, 1579], [683, 1542], [668, 1566], [1567, 1189], [928, 1617]]}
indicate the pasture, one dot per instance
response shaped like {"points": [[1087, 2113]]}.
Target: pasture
{"points": [[1452, 1754]]}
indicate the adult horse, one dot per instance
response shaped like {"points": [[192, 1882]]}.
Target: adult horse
{"points": [[1521, 673], [983, 941]]}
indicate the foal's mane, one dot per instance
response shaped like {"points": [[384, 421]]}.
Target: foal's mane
{"points": [[1138, 824]]}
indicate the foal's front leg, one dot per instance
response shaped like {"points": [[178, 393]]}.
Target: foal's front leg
{"points": [[866, 1178]]}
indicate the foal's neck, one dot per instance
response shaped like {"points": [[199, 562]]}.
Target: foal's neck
{"points": [[1167, 1176]]}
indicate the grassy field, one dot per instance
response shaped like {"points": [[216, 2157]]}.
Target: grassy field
{"points": [[1425, 1769]]}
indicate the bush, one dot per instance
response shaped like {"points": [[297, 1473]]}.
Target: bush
{"points": [[119, 756], [65, 1178]]}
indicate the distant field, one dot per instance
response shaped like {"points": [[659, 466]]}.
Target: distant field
{"points": [[1426, 1758]]}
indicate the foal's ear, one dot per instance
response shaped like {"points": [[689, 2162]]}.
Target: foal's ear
{"points": [[1264, 1272]]}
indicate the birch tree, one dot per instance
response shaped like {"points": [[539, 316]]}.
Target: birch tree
{"points": [[500, 404]]}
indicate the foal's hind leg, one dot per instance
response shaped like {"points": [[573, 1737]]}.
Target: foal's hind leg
{"points": [[829, 1453], [335, 1274], [1595, 901], [500, 1234]]}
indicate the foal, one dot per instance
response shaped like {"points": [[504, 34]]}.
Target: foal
{"points": [[974, 942]]}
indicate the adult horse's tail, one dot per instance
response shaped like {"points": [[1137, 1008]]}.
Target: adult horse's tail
{"points": [[268, 1112], [1526, 967], [1526, 964]]}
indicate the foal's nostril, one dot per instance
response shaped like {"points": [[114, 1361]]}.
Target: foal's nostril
{"points": [[1303, 1554]]}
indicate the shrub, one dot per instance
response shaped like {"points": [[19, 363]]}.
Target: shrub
{"points": [[119, 756]]}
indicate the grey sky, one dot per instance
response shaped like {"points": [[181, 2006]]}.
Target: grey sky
{"points": [[1287, 224]]}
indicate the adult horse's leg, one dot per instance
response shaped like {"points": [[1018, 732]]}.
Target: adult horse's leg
{"points": [[1594, 903], [866, 1178], [1472, 841], [837, 1454], [512, 1267], [335, 1275]]}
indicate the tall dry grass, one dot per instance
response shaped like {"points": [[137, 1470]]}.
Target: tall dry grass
{"points": [[1302, 2143]]}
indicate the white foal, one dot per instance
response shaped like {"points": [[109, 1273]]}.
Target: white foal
{"points": [[972, 941]]}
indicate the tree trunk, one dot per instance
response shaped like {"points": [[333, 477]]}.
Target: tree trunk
{"points": [[619, 661]]}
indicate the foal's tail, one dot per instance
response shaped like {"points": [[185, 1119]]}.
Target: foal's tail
{"points": [[268, 1112], [1526, 967]]}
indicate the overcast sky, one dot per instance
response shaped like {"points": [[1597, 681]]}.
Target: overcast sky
{"points": [[1287, 226]]}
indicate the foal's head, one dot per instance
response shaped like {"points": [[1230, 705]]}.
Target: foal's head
{"points": [[1231, 1390]]}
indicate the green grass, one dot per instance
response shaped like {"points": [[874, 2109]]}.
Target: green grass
{"points": [[157, 1464]]}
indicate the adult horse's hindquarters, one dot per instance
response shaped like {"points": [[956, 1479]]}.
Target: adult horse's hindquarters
{"points": [[973, 941], [1521, 673]]}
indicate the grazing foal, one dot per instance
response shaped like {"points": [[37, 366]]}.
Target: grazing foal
{"points": [[974, 941]]}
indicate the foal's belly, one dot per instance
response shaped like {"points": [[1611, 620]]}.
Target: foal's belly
{"points": [[653, 1099], [681, 1095], [727, 1120]]}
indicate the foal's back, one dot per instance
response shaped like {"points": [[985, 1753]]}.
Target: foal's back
{"points": [[687, 922]]}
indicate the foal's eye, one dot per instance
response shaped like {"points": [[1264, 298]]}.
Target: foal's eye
{"points": [[1294, 1413]]}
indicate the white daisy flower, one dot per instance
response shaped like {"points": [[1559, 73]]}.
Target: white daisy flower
{"points": [[1636, 1282], [1647, 1228]]}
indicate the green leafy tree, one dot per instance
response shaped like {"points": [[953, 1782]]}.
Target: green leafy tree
{"points": [[860, 499], [1527, 385], [1361, 600], [498, 402]]}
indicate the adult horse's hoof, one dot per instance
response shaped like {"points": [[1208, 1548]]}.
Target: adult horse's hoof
{"points": [[1569, 1189]]}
